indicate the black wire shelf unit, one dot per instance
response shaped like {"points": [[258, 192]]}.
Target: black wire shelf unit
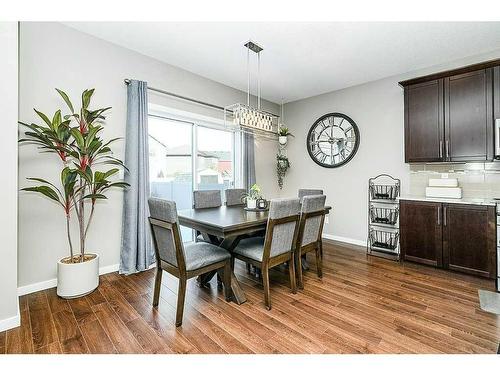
{"points": [[383, 216]]}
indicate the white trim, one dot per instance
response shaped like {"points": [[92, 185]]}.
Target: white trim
{"points": [[47, 284], [348, 240], [12, 322], [186, 116]]}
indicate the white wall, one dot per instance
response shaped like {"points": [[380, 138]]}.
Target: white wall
{"points": [[9, 312], [53, 55], [377, 108]]}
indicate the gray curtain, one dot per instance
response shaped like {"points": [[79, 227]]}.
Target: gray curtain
{"points": [[136, 250], [248, 160]]}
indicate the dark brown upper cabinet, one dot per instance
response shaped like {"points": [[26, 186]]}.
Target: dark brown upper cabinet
{"points": [[449, 116], [424, 122], [468, 118]]}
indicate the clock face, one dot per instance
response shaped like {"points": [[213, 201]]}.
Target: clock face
{"points": [[333, 140]]}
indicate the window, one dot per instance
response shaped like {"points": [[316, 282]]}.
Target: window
{"points": [[189, 153]]}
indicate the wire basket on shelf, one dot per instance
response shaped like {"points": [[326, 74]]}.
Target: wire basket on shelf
{"points": [[390, 192], [380, 215], [384, 239]]}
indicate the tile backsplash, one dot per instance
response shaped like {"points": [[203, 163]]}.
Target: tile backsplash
{"points": [[478, 180]]}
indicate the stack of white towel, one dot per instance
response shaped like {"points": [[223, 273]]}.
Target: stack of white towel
{"points": [[443, 188]]}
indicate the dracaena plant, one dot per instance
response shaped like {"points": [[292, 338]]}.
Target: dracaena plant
{"points": [[86, 161]]}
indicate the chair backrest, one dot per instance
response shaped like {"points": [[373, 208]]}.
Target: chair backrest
{"points": [[165, 231], [305, 192], [206, 198], [311, 219], [234, 197], [282, 227]]}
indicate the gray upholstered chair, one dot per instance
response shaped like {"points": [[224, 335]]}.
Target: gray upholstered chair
{"points": [[207, 199], [312, 218], [184, 262], [306, 192], [277, 247], [234, 197]]}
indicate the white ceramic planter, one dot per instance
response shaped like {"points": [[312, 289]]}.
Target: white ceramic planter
{"points": [[252, 203], [77, 279], [282, 139]]}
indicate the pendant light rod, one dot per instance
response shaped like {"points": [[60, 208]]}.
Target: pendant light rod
{"points": [[254, 47], [258, 80], [248, 75]]}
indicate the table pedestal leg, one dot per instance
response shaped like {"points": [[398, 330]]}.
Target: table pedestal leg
{"points": [[238, 294]]}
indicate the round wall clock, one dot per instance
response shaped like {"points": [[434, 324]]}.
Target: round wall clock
{"points": [[333, 140]]}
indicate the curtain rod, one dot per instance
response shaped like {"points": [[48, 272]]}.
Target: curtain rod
{"points": [[214, 106]]}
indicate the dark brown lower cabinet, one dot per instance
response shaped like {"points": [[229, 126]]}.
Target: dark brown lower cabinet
{"points": [[421, 232], [469, 242], [452, 236]]}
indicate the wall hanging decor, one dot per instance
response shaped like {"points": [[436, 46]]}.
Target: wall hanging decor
{"points": [[333, 140]]}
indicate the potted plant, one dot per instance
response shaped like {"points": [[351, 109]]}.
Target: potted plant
{"points": [[282, 166], [283, 135], [76, 140], [252, 196]]}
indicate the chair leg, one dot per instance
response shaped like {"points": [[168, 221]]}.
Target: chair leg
{"points": [[180, 301], [300, 278], [321, 248], [319, 262], [267, 291], [227, 281], [156, 294], [291, 272]]}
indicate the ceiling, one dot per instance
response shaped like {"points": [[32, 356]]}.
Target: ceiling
{"points": [[301, 59]]}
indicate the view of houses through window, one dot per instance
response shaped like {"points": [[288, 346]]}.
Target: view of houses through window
{"points": [[173, 171]]}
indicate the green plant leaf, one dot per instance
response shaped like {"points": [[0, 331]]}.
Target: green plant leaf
{"points": [[66, 99], [95, 196], [86, 96], [110, 173], [56, 120], [44, 117], [45, 190], [75, 132]]}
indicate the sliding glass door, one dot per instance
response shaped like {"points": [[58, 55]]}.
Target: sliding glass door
{"points": [[187, 155], [170, 163], [215, 159]]}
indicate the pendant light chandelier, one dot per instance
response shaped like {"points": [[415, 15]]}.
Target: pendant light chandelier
{"points": [[244, 117]]}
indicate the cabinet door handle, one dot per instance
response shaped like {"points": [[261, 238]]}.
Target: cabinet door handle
{"points": [[445, 213], [447, 150], [439, 216], [440, 149]]}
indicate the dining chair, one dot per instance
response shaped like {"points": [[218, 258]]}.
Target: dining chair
{"points": [[234, 197], [306, 192], [311, 222], [206, 199], [278, 245], [182, 261]]}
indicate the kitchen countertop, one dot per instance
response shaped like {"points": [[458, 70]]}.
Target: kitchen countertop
{"points": [[479, 201]]}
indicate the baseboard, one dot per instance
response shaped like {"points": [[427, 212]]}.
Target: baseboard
{"points": [[348, 240], [47, 284], [12, 322]]}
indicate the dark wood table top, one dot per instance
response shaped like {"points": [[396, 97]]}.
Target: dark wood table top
{"points": [[225, 221]]}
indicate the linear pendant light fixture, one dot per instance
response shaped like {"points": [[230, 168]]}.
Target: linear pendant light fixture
{"points": [[244, 117]]}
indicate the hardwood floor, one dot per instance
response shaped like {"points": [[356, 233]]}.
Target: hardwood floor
{"points": [[362, 305]]}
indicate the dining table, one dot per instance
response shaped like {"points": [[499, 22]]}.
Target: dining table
{"points": [[224, 226]]}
